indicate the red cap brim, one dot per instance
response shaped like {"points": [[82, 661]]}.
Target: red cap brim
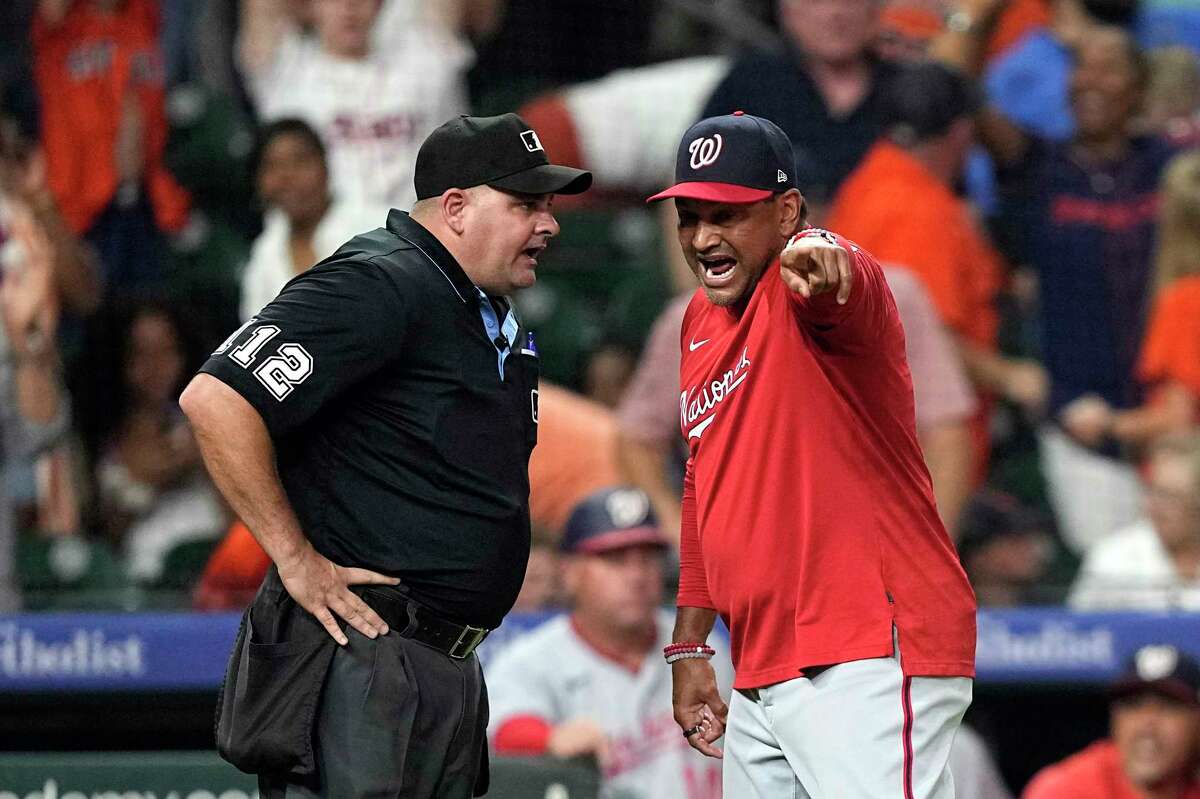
{"points": [[620, 539], [713, 192]]}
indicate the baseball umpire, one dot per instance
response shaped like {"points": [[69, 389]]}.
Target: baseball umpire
{"points": [[372, 426], [808, 518]]}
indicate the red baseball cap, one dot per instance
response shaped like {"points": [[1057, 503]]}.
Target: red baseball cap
{"points": [[736, 158]]}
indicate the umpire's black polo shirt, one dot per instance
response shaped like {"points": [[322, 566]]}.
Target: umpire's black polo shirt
{"points": [[398, 444]]}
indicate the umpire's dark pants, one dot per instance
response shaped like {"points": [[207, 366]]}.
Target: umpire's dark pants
{"points": [[397, 719]]}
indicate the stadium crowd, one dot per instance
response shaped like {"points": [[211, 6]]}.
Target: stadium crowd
{"points": [[1024, 168]]}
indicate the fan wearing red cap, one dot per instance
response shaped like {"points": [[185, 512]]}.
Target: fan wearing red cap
{"points": [[808, 517]]}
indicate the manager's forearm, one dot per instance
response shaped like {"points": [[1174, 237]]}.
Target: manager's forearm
{"points": [[693, 624], [240, 457]]}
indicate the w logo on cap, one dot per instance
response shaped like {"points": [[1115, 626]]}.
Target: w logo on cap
{"points": [[532, 142], [705, 150]]}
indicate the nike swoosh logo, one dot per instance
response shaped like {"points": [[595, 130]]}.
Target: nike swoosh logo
{"points": [[695, 345], [699, 429]]}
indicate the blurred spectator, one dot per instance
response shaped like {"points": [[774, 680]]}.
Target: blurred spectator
{"points": [[1153, 564], [944, 402], [33, 412], [974, 769], [1005, 549], [908, 26], [536, 45], [625, 126], [233, 573], [542, 587], [99, 75], [1086, 217], [824, 88], [1169, 23], [1172, 106], [900, 205], [1152, 752], [474, 20], [304, 223], [24, 189], [649, 442], [372, 96], [52, 480], [574, 457], [648, 416], [593, 683], [607, 372], [1170, 362], [1029, 85], [153, 491]]}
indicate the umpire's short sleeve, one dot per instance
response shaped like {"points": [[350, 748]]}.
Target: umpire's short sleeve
{"points": [[327, 330]]}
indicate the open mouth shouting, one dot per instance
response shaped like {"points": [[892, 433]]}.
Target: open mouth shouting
{"points": [[716, 270], [533, 252]]}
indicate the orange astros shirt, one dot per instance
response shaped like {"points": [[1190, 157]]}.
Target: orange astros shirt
{"points": [[83, 67], [899, 211], [896, 208], [1171, 350], [808, 518]]}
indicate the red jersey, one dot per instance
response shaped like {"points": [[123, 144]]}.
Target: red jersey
{"points": [[809, 521], [1094, 773]]}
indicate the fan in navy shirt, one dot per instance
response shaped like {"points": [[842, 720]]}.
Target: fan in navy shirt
{"points": [[1086, 221], [823, 89]]}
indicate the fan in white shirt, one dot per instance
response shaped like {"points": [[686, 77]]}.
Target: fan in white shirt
{"points": [[1153, 564], [304, 223], [373, 91]]}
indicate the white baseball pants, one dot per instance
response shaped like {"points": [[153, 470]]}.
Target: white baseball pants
{"points": [[857, 730]]}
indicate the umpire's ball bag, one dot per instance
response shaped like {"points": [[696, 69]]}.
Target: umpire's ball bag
{"points": [[272, 688]]}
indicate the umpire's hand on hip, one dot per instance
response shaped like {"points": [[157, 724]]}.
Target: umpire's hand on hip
{"points": [[320, 586], [699, 710], [812, 265]]}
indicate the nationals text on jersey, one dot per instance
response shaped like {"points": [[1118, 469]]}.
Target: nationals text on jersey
{"points": [[693, 407]]}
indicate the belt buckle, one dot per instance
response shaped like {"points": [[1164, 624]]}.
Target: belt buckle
{"points": [[468, 639]]}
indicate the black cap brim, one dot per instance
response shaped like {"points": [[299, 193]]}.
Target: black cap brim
{"points": [[546, 179]]}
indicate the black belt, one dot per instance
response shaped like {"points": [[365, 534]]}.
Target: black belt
{"points": [[413, 620]]}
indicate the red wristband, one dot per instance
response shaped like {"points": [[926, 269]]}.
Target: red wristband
{"points": [[688, 648]]}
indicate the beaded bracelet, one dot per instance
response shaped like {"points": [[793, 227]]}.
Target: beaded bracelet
{"points": [[682, 651]]}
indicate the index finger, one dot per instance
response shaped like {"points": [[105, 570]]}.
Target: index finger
{"points": [[846, 275]]}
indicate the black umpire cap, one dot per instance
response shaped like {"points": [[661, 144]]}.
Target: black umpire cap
{"points": [[503, 152]]}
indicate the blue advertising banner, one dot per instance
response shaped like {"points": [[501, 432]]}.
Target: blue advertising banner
{"points": [[89, 652]]}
